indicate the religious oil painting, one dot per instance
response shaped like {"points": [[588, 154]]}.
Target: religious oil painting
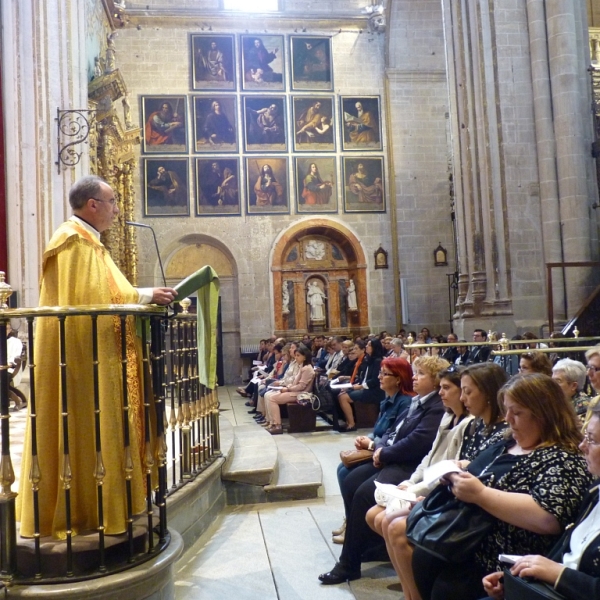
{"points": [[215, 128], [311, 63], [263, 62], [264, 124], [166, 187], [213, 61], [217, 187], [316, 185], [267, 185], [313, 123], [364, 184], [361, 123], [165, 124]]}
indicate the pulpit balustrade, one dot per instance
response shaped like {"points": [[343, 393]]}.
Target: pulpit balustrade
{"points": [[180, 439]]}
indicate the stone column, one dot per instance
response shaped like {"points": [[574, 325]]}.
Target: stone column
{"points": [[572, 126], [546, 144], [43, 54], [478, 142]]}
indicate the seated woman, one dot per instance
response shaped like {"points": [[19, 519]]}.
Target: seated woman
{"points": [[478, 394], [396, 456], [365, 380], [572, 566], [395, 379], [535, 362], [539, 480], [287, 379], [276, 375], [571, 376], [302, 383]]}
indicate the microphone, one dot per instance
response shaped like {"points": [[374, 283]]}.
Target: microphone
{"points": [[134, 224]]}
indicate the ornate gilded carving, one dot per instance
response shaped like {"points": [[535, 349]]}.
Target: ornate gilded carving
{"points": [[112, 157]]}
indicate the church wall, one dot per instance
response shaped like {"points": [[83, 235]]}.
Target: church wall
{"points": [[155, 60], [419, 121]]}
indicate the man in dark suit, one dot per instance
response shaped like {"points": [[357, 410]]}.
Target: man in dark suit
{"points": [[450, 353], [479, 354]]}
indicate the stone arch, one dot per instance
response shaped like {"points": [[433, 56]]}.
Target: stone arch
{"points": [[193, 252], [330, 251]]}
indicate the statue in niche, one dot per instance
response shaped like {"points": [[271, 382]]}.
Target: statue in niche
{"points": [[351, 292], [111, 54], [285, 301], [127, 111], [316, 297]]}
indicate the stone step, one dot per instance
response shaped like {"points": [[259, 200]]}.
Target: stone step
{"points": [[299, 474], [253, 458], [265, 468]]}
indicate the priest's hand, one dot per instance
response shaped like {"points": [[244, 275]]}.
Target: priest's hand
{"points": [[163, 295]]}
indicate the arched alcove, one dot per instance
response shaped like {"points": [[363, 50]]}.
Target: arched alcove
{"points": [[329, 252], [193, 252]]}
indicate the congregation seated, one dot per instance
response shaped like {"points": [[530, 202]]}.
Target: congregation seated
{"points": [[474, 389], [539, 481], [364, 380], [572, 567], [288, 394], [395, 379], [395, 457]]}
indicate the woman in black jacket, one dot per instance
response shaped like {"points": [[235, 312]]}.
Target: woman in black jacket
{"points": [[365, 383], [396, 456], [573, 565]]}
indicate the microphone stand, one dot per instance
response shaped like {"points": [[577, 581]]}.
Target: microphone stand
{"points": [[134, 224]]}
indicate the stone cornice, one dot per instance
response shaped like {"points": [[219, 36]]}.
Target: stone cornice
{"points": [[431, 75], [224, 20]]}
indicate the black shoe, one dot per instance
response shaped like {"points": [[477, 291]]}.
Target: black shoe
{"points": [[261, 421], [249, 403], [252, 412], [349, 429], [338, 575]]}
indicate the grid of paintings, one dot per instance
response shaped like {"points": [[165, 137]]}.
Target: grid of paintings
{"points": [[250, 147]]}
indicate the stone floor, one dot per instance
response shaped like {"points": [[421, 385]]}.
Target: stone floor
{"points": [[277, 550], [268, 551]]}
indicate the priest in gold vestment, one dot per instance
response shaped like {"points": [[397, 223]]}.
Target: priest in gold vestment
{"points": [[78, 270]]}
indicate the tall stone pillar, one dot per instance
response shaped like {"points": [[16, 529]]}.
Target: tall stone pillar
{"points": [[43, 63], [480, 172], [568, 56], [521, 140]]}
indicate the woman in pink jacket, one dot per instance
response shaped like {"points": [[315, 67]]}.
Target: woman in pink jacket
{"points": [[302, 383]]}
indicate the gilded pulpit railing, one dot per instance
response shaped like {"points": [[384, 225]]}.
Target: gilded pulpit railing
{"points": [[179, 433]]}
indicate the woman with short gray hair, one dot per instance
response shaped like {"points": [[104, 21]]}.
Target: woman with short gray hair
{"points": [[571, 375]]}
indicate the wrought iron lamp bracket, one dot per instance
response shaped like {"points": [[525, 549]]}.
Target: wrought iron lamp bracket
{"points": [[73, 130]]}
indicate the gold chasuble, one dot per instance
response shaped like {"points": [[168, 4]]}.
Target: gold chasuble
{"points": [[78, 270]]}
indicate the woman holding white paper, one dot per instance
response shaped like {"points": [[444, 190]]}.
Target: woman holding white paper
{"points": [[475, 388], [539, 478]]}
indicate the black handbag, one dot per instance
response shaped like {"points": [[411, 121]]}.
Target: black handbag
{"points": [[447, 527], [517, 588]]}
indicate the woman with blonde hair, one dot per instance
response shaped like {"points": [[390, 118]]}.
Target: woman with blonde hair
{"points": [[396, 456]]}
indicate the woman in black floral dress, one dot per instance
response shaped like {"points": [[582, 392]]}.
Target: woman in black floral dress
{"points": [[540, 480]]}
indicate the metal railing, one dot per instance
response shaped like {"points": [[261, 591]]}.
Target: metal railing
{"points": [[504, 348], [180, 438]]}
